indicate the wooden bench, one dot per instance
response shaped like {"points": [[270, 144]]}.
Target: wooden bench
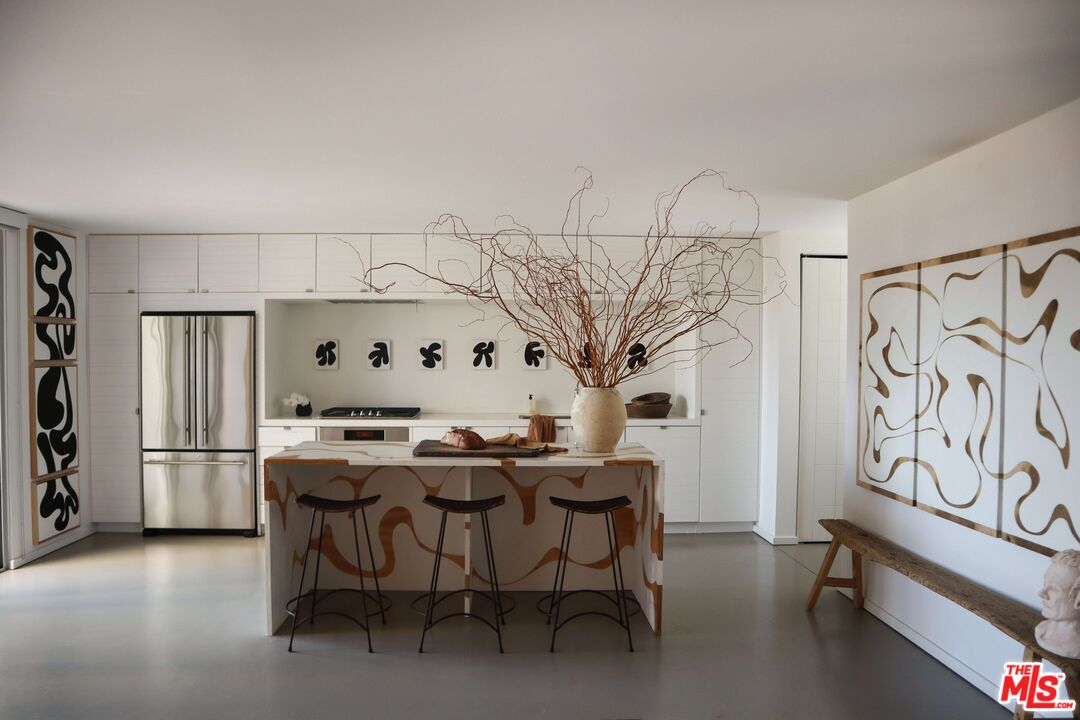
{"points": [[1011, 617]]}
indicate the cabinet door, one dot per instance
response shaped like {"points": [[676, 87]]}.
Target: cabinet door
{"points": [[228, 263], [730, 401], [287, 263], [113, 349], [679, 447], [342, 263], [410, 250], [452, 260], [113, 263], [168, 263]]}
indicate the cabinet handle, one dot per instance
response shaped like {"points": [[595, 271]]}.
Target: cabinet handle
{"points": [[309, 289], [191, 290], [194, 462]]}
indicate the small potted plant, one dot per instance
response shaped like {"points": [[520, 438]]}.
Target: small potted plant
{"points": [[301, 402]]}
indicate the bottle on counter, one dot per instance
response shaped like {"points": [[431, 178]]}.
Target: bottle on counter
{"points": [[531, 410]]}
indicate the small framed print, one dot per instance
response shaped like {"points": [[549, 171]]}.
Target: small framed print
{"points": [[52, 274], [483, 354], [327, 354], [378, 355], [432, 354], [535, 355], [53, 342]]}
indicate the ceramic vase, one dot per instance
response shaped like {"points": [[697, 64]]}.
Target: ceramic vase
{"points": [[598, 416]]}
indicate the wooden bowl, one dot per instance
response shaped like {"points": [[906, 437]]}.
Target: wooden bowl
{"points": [[656, 398], [655, 410]]}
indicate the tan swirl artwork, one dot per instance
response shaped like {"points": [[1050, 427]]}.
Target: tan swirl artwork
{"points": [[969, 388]]}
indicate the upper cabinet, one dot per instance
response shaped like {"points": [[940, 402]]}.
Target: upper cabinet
{"points": [[228, 263], [453, 260], [168, 263], [286, 263], [343, 262], [113, 263], [408, 250]]}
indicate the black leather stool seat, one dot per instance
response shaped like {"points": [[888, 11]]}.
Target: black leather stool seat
{"points": [[465, 507], [326, 505], [591, 507]]}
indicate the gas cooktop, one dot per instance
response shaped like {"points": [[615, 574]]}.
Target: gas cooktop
{"points": [[370, 412]]}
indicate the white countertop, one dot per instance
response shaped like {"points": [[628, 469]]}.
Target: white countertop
{"points": [[426, 419], [385, 453]]}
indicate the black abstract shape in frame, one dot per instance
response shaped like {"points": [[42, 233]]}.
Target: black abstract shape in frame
{"points": [[635, 357], [50, 254], [431, 355], [380, 356], [64, 505], [56, 440], [326, 354], [534, 353], [484, 353]]}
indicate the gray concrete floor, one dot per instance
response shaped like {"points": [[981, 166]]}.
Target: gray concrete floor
{"points": [[121, 627]]}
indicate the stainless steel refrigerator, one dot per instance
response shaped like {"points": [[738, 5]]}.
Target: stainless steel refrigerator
{"points": [[198, 422]]}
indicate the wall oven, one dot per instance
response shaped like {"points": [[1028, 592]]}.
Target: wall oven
{"points": [[364, 433]]}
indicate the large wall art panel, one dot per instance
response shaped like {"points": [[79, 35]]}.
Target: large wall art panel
{"points": [[53, 341], [52, 274], [1041, 486], [958, 442], [54, 406], [56, 506], [887, 382]]}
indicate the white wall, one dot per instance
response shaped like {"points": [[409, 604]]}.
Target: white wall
{"points": [[292, 329], [1021, 183], [780, 378]]}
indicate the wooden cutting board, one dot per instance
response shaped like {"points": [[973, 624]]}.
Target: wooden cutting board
{"points": [[434, 448]]}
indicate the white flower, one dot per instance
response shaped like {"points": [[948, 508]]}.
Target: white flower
{"points": [[297, 399]]}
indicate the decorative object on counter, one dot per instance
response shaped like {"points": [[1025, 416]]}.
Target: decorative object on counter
{"points": [[535, 355], [515, 440], [649, 405], [598, 417], [463, 439], [653, 398], [378, 357], [530, 408], [590, 311], [326, 354], [1060, 631], [484, 355], [300, 403], [431, 354]]}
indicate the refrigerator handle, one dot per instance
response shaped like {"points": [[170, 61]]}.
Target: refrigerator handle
{"points": [[206, 383], [187, 381]]}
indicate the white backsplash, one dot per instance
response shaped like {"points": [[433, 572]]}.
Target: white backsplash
{"points": [[292, 327]]}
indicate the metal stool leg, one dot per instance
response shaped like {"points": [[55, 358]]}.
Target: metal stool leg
{"points": [[434, 582], [300, 592], [363, 590], [557, 599], [558, 564], [490, 552], [624, 607], [608, 531], [374, 570], [318, 563]]}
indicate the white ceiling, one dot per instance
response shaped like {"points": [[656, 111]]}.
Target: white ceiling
{"points": [[276, 115]]}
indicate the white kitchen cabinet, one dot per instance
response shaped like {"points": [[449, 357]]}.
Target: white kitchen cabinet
{"points": [[342, 262], [113, 263], [617, 262], [228, 263], [287, 263], [410, 250], [679, 446], [730, 402], [168, 263], [273, 435], [112, 331], [452, 259]]}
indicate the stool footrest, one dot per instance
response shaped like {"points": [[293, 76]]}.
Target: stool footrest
{"points": [[628, 598], [509, 604]]}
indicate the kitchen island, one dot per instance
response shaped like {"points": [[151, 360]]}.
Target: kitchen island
{"points": [[525, 530]]}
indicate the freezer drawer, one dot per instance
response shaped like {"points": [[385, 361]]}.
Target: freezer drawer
{"points": [[198, 491]]}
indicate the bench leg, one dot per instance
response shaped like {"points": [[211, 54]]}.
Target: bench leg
{"points": [[856, 573], [1020, 713], [823, 574]]}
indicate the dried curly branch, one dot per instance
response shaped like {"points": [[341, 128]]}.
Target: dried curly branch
{"points": [[600, 317]]}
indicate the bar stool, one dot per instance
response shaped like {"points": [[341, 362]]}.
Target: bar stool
{"points": [[320, 506], [464, 507], [607, 508]]}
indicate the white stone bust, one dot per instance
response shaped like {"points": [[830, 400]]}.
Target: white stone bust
{"points": [[1060, 631]]}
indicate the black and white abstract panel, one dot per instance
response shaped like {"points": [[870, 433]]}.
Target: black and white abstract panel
{"points": [[432, 354], [53, 341], [56, 506], [378, 355], [327, 354], [55, 417], [535, 355], [483, 354], [52, 274]]}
